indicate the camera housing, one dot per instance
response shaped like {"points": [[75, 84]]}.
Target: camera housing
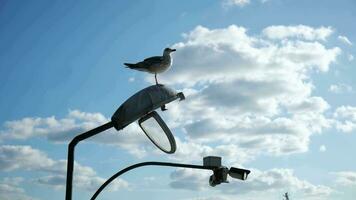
{"points": [[239, 173], [219, 176], [220, 172]]}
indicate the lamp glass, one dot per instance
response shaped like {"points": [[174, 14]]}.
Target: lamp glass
{"points": [[158, 132]]}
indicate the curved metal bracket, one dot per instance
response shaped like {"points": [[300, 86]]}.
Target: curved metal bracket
{"points": [[167, 164]]}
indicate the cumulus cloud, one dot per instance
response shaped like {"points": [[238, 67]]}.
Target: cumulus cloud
{"points": [[54, 129], [251, 92], [87, 182], [278, 180], [345, 178], [231, 54], [344, 40], [322, 148], [247, 95], [190, 179], [13, 157], [10, 189], [299, 31], [76, 122], [258, 183], [16, 157], [220, 197], [84, 177], [190, 151], [340, 88], [240, 3], [345, 118]]}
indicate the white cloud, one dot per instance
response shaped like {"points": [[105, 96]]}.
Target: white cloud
{"points": [[312, 104], [251, 95], [348, 112], [10, 189], [345, 118], [13, 157], [87, 182], [131, 139], [76, 122], [189, 151], [240, 3], [300, 32], [25, 158], [230, 54], [258, 183], [322, 148], [190, 179], [345, 178], [253, 136], [344, 40], [250, 92], [220, 197], [340, 88], [350, 57], [55, 129], [278, 180]]}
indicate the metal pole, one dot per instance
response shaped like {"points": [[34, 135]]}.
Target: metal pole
{"points": [[71, 148], [107, 182]]}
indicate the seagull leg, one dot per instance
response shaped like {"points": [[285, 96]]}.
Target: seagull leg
{"points": [[156, 78], [163, 108]]}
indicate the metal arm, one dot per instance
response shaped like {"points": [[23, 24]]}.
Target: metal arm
{"points": [[107, 182], [71, 148]]}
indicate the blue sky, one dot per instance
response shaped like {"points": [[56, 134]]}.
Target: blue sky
{"points": [[269, 84]]}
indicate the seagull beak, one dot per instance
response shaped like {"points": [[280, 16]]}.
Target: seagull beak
{"points": [[173, 49]]}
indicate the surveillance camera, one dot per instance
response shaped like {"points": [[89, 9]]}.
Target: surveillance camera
{"points": [[219, 176], [212, 181], [239, 173]]}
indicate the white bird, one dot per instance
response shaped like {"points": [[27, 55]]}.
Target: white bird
{"points": [[155, 64]]}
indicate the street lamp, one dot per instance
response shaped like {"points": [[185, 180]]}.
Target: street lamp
{"points": [[139, 106], [210, 163]]}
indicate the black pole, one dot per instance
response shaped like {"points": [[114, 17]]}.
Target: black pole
{"points": [[71, 148], [107, 182]]}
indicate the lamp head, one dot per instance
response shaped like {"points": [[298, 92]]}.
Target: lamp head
{"points": [[141, 106]]}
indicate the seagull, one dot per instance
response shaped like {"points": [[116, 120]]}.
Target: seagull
{"points": [[155, 64]]}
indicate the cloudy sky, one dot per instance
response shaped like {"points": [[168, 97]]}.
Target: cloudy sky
{"points": [[269, 86]]}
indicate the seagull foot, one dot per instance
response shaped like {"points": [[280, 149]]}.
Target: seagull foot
{"points": [[163, 108]]}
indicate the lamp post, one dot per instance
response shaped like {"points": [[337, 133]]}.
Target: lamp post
{"points": [[210, 163], [139, 106]]}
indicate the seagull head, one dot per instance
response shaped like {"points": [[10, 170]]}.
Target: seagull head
{"points": [[168, 50]]}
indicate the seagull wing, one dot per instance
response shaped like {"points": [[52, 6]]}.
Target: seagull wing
{"points": [[153, 60], [146, 65]]}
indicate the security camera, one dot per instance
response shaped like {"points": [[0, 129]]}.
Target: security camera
{"points": [[219, 176], [221, 172], [239, 173]]}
